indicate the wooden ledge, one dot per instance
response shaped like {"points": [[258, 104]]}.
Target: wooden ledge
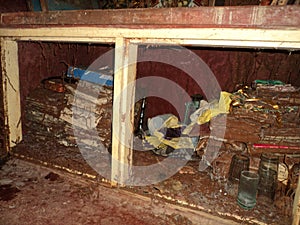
{"points": [[238, 16]]}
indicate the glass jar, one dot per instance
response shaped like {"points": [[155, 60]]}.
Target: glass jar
{"points": [[247, 189], [239, 163], [268, 173], [293, 179]]}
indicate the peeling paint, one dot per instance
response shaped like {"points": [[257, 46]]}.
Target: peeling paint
{"points": [[219, 15], [11, 94], [230, 18], [4, 90]]}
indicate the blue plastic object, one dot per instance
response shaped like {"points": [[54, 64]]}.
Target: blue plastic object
{"points": [[65, 5], [91, 76]]}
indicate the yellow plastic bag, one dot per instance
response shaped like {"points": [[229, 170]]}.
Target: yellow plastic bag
{"points": [[213, 109], [217, 108]]}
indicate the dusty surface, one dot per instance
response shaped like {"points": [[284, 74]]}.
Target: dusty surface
{"points": [[31, 194], [200, 190], [208, 191]]}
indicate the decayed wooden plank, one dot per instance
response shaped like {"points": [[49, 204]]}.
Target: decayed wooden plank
{"points": [[11, 91], [123, 114], [228, 34], [235, 37], [243, 16]]}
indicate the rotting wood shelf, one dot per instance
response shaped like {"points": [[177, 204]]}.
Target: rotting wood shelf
{"points": [[250, 27], [216, 17], [193, 196], [42, 126]]}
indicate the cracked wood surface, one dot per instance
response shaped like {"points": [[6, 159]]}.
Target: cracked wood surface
{"points": [[242, 16]]}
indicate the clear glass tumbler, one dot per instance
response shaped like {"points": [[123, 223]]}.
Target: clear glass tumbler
{"points": [[247, 189]]}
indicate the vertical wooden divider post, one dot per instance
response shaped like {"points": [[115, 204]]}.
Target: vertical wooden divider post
{"points": [[11, 92], [123, 110]]}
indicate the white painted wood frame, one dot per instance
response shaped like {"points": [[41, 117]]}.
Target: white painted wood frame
{"points": [[123, 111], [126, 42], [11, 91]]}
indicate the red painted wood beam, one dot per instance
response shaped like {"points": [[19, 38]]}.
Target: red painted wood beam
{"points": [[239, 16]]}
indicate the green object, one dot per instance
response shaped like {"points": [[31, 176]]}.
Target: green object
{"points": [[191, 107], [269, 82], [247, 189]]}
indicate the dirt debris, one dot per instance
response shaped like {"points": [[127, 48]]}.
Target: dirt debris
{"points": [[28, 198]]}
